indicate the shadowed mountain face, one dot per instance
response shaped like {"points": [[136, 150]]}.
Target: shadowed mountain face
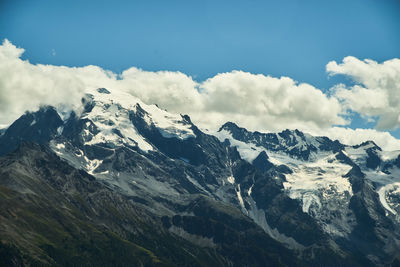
{"points": [[39, 127], [52, 213], [125, 183]]}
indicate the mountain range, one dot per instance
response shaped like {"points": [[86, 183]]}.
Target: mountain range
{"points": [[118, 182]]}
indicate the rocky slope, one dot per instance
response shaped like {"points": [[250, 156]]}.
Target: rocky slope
{"points": [[350, 191]]}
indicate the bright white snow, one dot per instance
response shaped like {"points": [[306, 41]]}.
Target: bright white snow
{"points": [[323, 175], [318, 183], [247, 151], [111, 117], [169, 125], [385, 183], [231, 179]]}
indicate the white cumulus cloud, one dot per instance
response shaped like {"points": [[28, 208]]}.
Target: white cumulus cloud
{"points": [[377, 92], [24, 86], [174, 91], [262, 102]]}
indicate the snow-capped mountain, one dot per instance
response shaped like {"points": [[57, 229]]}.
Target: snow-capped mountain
{"points": [[318, 163], [320, 201], [338, 185]]}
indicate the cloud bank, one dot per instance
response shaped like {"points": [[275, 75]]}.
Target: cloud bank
{"points": [[24, 86], [257, 101], [376, 92], [254, 101]]}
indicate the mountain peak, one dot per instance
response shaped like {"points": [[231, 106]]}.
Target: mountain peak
{"points": [[368, 145], [40, 127], [103, 91], [261, 162], [229, 126]]}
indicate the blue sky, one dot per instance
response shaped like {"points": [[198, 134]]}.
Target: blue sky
{"points": [[203, 38]]}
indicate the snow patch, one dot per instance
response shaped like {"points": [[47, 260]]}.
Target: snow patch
{"points": [[60, 146], [169, 125], [112, 120], [311, 178], [250, 190], [247, 152], [91, 165], [239, 196], [382, 197]]}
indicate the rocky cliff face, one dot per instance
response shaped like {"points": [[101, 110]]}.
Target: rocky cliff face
{"points": [[144, 182]]}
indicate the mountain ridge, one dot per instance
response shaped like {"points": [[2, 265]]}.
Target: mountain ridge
{"points": [[310, 196]]}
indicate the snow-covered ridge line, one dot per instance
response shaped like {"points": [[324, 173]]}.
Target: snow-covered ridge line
{"points": [[110, 116], [319, 181]]}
